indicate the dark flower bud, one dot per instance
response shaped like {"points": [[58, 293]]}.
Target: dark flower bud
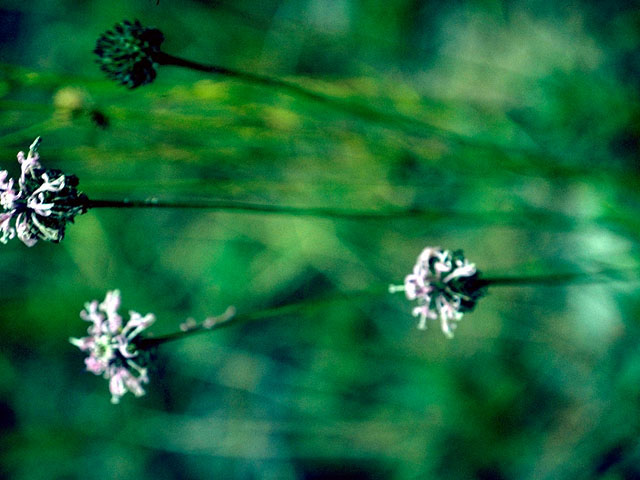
{"points": [[127, 53]]}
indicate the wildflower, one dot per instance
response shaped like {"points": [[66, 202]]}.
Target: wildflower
{"points": [[126, 53], [112, 349], [445, 286], [43, 204]]}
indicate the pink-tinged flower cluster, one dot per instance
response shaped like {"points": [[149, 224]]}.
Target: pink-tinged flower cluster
{"points": [[43, 203], [111, 347], [7, 197], [444, 284]]}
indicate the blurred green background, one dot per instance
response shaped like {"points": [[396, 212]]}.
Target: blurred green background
{"points": [[529, 164]]}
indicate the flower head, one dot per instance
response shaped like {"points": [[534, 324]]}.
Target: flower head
{"points": [[445, 285], [45, 200], [126, 53], [111, 346]]}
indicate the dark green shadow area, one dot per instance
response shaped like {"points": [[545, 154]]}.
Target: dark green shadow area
{"points": [[524, 153]]}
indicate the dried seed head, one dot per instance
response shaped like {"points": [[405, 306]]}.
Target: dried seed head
{"points": [[126, 53]]}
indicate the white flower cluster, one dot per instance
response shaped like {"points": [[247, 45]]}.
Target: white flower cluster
{"points": [[46, 200], [111, 347], [441, 283]]}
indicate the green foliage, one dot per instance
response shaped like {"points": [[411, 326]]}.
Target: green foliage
{"points": [[526, 153]]}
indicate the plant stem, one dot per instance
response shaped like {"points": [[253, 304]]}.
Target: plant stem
{"points": [[432, 215], [261, 208], [406, 124], [228, 320], [555, 279], [215, 323], [351, 108]]}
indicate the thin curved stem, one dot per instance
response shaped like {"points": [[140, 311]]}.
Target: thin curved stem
{"points": [[214, 323], [350, 108], [231, 319], [406, 124]]}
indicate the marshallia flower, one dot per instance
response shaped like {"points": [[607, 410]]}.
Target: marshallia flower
{"points": [[111, 346], [127, 53], [445, 286], [45, 200]]}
